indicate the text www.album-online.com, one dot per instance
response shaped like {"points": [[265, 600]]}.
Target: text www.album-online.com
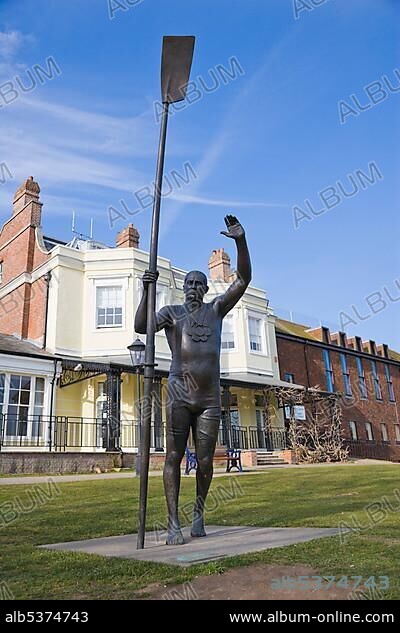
{"points": [[337, 617]]}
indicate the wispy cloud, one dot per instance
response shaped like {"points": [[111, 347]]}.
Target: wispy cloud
{"points": [[224, 203], [121, 135], [77, 146], [12, 41], [57, 166], [69, 148], [60, 145]]}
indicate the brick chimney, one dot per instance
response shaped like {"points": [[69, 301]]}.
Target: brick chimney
{"points": [[339, 338], [383, 350], [219, 266], [128, 238], [322, 334], [369, 347], [23, 304], [28, 194]]}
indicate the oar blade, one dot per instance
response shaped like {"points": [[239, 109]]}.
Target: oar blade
{"points": [[177, 55]]}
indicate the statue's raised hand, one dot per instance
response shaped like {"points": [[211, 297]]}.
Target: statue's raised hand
{"points": [[235, 229]]}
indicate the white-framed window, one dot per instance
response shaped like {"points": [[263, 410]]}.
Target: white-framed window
{"points": [[1, 272], [353, 430], [260, 403], [235, 419], [108, 296], [101, 400], [22, 400], [18, 405], [255, 325], [384, 433], [2, 390], [100, 412], [368, 430], [101, 389], [397, 432], [38, 407], [260, 424], [109, 306], [228, 333]]}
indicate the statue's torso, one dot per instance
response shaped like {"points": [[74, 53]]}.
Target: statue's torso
{"points": [[195, 343]]}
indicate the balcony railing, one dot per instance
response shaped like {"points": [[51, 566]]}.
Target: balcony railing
{"points": [[69, 433]]}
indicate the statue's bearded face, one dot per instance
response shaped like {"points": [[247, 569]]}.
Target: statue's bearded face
{"points": [[195, 286]]}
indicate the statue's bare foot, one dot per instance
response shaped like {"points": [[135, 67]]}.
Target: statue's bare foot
{"points": [[175, 537], [198, 526]]}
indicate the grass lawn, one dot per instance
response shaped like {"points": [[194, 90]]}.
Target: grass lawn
{"points": [[308, 497]]}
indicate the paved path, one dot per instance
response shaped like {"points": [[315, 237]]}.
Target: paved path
{"points": [[221, 541], [37, 479]]}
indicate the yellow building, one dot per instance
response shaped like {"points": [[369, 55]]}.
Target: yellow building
{"points": [[98, 381]]}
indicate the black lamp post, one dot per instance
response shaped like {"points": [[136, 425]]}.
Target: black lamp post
{"points": [[137, 351]]}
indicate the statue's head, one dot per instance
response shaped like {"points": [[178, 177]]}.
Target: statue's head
{"points": [[195, 286]]}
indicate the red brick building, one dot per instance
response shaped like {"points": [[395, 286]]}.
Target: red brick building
{"points": [[365, 374]]}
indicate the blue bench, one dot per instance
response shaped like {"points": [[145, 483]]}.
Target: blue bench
{"points": [[232, 456]]}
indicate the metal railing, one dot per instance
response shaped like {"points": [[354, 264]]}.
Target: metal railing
{"points": [[369, 449], [26, 431], [70, 433], [271, 439], [97, 433]]}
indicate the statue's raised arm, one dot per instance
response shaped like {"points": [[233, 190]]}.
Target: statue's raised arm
{"points": [[228, 300]]}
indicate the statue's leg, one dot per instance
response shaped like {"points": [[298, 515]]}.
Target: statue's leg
{"points": [[205, 436], [178, 425]]}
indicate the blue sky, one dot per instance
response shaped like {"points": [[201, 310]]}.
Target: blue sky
{"points": [[260, 144]]}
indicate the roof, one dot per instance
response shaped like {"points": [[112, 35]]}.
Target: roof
{"points": [[13, 345], [296, 329], [254, 380], [51, 242], [124, 360], [394, 355]]}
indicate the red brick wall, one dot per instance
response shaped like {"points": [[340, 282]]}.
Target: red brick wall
{"points": [[12, 311], [292, 355], [22, 311], [37, 310]]}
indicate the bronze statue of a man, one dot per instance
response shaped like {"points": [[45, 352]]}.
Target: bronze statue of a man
{"points": [[193, 331]]}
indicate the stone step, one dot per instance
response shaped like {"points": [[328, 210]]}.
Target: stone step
{"points": [[277, 460], [264, 459]]}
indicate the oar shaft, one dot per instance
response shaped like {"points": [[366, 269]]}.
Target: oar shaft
{"points": [[150, 336]]}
